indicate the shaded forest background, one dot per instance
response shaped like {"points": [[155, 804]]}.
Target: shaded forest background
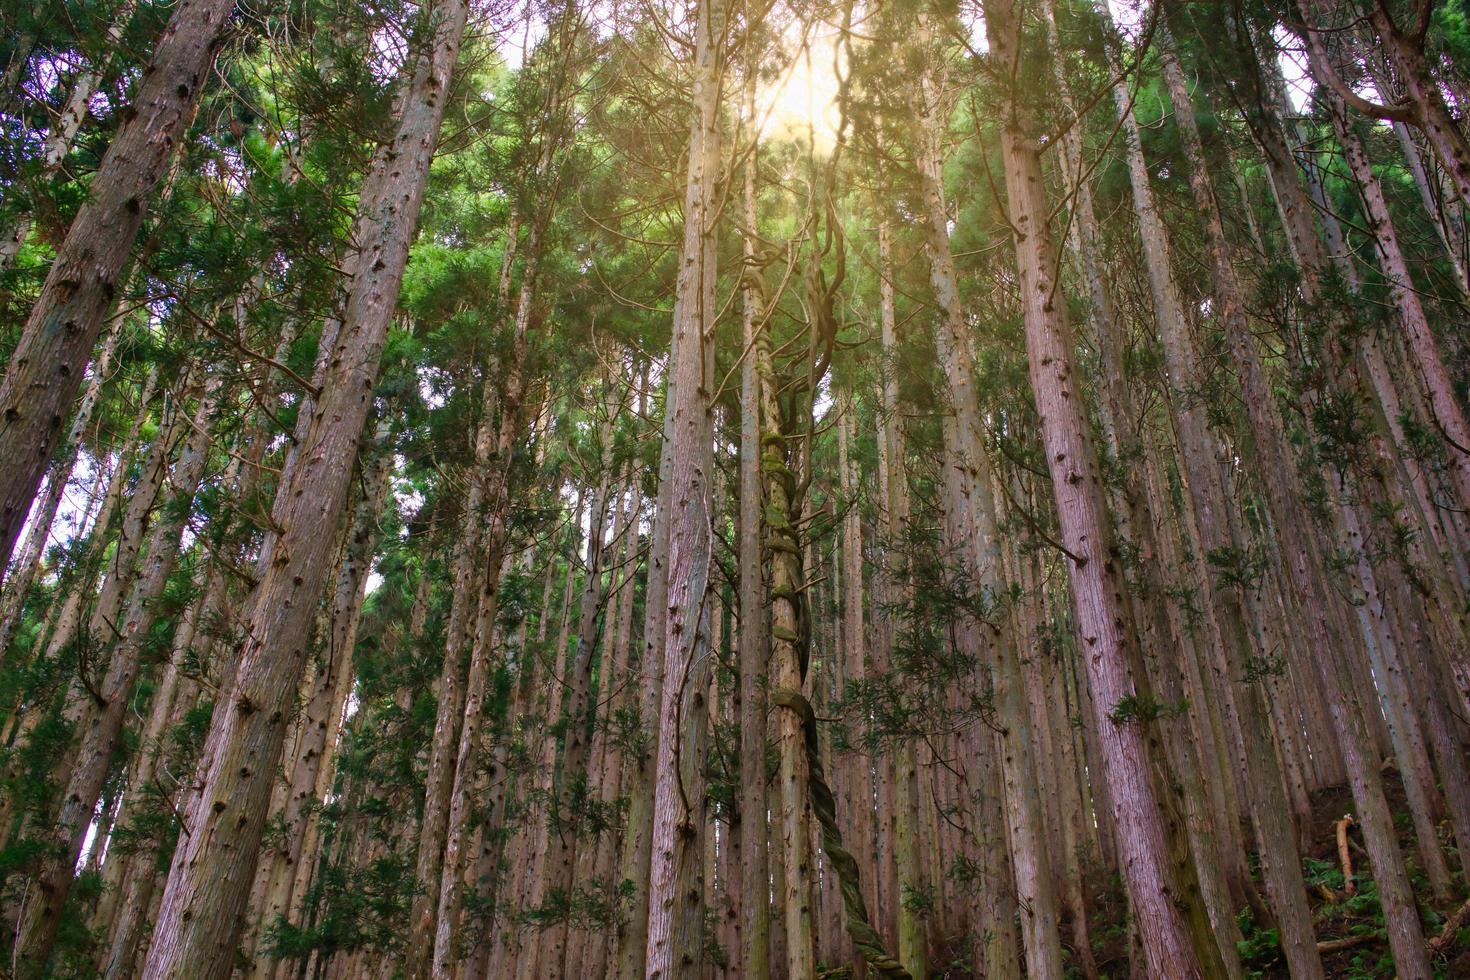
{"points": [[735, 488]]}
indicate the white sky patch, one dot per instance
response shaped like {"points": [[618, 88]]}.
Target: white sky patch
{"points": [[406, 498], [974, 18], [515, 45], [389, 52], [822, 402], [801, 103], [433, 398], [1293, 68], [74, 515], [1128, 16]]}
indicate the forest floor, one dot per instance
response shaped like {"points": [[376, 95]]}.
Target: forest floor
{"points": [[1349, 926]]}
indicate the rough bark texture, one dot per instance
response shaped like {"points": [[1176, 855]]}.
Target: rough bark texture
{"points": [[1160, 904], [754, 644], [1211, 534], [982, 559], [48, 364], [103, 714], [200, 916], [675, 910], [1333, 649], [322, 716]]}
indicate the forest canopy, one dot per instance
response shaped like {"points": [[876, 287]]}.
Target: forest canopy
{"points": [[548, 489]]}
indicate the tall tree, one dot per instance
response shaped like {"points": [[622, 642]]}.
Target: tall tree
{"points": [[675, 897], [47, 366], [202, 903]]}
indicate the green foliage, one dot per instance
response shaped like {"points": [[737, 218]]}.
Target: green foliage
{"points": [[596, 905], [1145, 710], [920, 901], [353, 908], [1241, 568]]}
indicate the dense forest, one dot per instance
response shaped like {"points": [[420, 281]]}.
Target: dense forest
{"points": [[735, 488]]}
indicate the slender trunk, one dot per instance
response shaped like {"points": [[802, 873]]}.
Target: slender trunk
{"points": [[1211, 539], [322, 716], [755, 912], [103, 715], [637, 843], [467, 568], [98, 627], [893, 505], [780, 472], [1161, 902], [595, 863], [624, 684], [972, 481], [49, 362], [488, 523], [539, 823], [1448, 414], [574, 717], [1446, 216], [18, 582], [853, 650], [164, 711], [1331, 647], [199, 920], [676, 911]]}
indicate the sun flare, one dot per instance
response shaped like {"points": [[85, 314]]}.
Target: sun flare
{"points": [[800, 103]]}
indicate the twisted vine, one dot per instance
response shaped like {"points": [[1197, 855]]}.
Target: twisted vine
{"points": [[849, 880]]}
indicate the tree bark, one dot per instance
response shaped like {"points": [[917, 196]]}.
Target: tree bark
{"points": [[103, 713], [322, 717], [853, 650], [1161, 903], [1302, 564], [1210, 535], [579, 710], [780, 473], [18, 582], [674, 946], [983, 560], [48, 364], [754, 642], [199, 920]]}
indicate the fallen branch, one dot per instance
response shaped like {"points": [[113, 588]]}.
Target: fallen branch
{"points": [[1337, 945], [1440, 944], [1446, 938], [1344, 854]]}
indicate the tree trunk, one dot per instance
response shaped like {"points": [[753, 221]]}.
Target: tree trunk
{"points": [[969, 466], [487, 522], [574, 716], [1210, 534], [322, 717], [103, 714], [199, 919], [852, 652], [780, 472], [18, 582], [754, 642], [1161, 903], [1332, 650], [675, 910], [49, 362]]}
